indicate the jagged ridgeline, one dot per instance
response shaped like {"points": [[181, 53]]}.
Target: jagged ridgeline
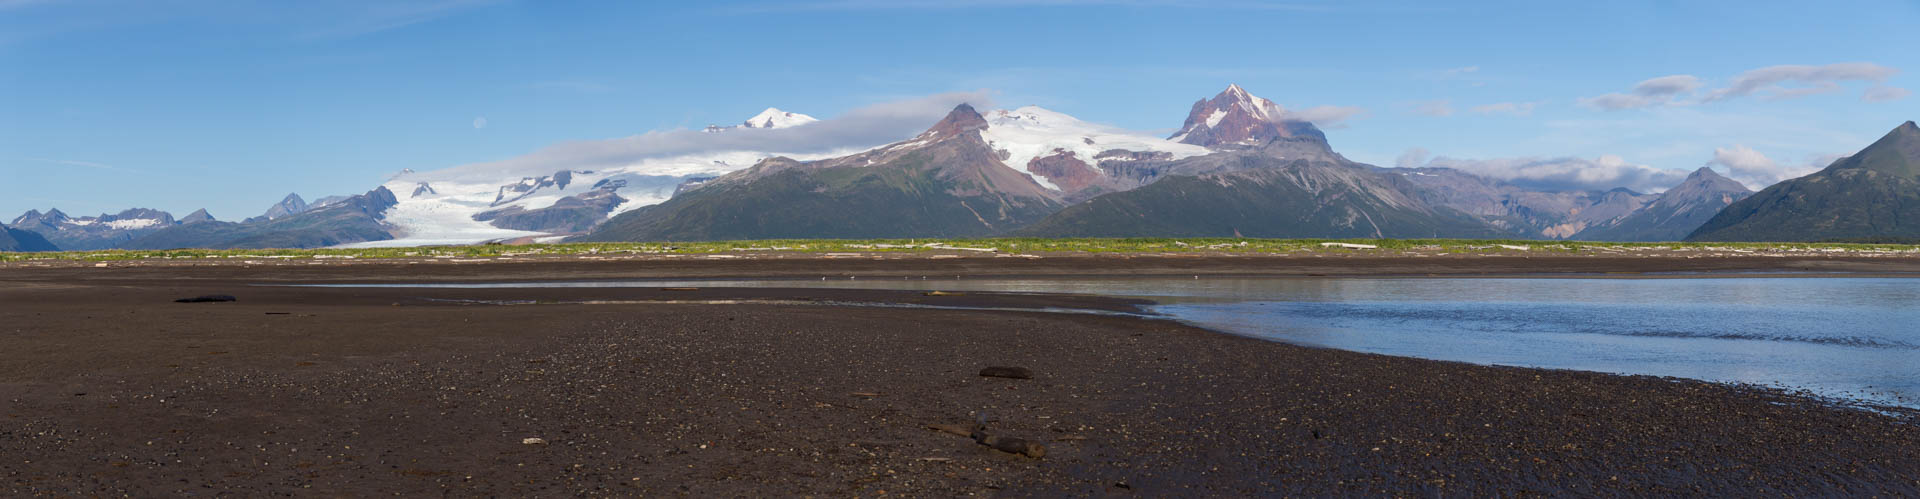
{"points": [[351, 220]]}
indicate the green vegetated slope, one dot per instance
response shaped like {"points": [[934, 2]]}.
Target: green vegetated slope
{"points": [[1871, 195]]}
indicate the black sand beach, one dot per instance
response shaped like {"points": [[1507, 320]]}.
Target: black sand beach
{"points": [[112, 388]]}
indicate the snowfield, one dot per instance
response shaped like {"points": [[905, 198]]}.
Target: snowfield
{"points": [[1033, 132]]}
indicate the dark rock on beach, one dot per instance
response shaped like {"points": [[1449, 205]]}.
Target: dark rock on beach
{"points": [[1007, 372], [207, 299]]}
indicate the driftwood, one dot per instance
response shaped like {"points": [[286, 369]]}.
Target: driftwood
{"points": [[1011, 445], [978, 432]]}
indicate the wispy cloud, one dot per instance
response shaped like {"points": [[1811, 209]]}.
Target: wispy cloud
{"points": [[1561, 174], [1327, 116], [82, 164], [979, 4], [1468, 74], [585, 87], [1882, 93], [1414, 157], [1506, 108], [1782, 82], [1772, 80], [1756, 170], [1434, 108], [1651, 92], [356, 19], [329, 20]]}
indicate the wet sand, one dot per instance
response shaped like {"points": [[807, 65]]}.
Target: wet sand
{"points": [[112, 388]]}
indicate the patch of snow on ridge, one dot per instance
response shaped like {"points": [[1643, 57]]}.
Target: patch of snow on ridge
{"points": [[137, 223], [1033, 132]]}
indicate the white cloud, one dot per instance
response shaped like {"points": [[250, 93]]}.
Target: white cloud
{"points": [[1326, 116], [1757, 171], [480, 122], [860, 128], [1435, 108], [1507, 108], [1652, 92], [1561, 174], [1883, 93], [1811, 80]]}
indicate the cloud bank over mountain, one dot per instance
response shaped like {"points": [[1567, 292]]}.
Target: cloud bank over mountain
{"points": [[860, 128]]}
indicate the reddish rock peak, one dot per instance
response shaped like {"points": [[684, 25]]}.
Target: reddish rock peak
{"points": [[1237, 117], [961, 120]]}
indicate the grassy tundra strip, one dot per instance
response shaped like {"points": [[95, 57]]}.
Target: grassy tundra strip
{"points": [[1004, 245]]}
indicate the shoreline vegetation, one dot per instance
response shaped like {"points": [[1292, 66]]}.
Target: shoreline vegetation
{"points": [[1011, 246]]}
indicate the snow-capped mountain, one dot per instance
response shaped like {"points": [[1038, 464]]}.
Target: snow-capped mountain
{"points": [[1067, 158], [775, 118], [771, 118], [1071, 156], [1235, 117]]}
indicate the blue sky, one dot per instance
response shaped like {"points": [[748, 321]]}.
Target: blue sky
{"points": [[229, 105]]}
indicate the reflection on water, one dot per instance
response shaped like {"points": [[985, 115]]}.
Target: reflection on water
{"points": [[1847, 337]]}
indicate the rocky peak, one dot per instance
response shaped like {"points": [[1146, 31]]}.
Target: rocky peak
{"points": [[290, 205], [961, 120], [1235, 117], [1707, 175], [24, 217], [1702, 185], [51, 219], [197, 216]]}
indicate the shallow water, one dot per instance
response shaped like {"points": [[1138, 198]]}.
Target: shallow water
{"points": [[1844, 337]]}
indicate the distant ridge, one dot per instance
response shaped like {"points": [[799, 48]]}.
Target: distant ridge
{"points": [[1675, 213]]}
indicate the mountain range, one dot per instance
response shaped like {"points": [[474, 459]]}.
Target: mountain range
{"points": [[1239, 166], [351, 220], [99, 232]]}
